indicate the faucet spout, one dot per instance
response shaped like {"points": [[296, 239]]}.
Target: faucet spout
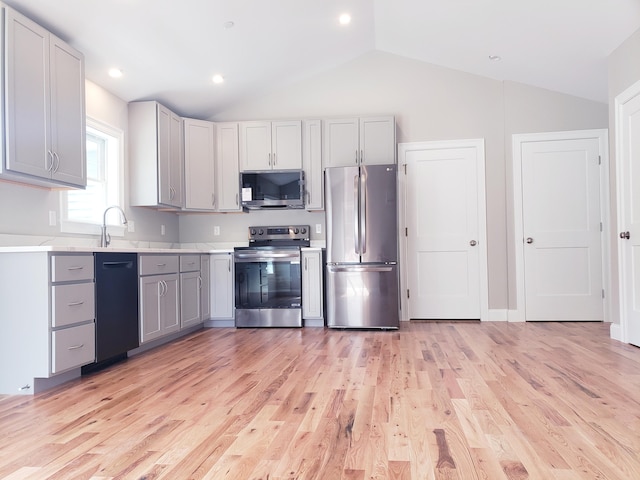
{"points": [[105, 238]]}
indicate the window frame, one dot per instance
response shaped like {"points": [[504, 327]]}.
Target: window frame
{"points": [[116, 229]]}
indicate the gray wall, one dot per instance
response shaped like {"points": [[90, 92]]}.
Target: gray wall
{"points": [[430, 103], [624, 71]]}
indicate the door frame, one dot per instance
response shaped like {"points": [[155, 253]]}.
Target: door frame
{"points": [[620, 332], [403, 149], [519, 313]]}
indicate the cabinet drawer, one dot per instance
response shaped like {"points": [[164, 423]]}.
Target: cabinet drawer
{"points": [[189, 263], [72, 347], [72, 303], [69, 268], [158, 264]]}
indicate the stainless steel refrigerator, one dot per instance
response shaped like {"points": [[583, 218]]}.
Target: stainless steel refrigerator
{"points": [[362, 246]]}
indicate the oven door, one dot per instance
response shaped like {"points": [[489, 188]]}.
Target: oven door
{"points": [[268, 289]]}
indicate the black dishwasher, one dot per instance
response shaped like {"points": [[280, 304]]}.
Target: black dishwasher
{"points": [[116, 307]]}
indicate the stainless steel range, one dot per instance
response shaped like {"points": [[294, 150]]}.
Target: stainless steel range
{"points": [[268, 277]]}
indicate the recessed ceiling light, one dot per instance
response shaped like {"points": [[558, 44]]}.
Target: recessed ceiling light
{"points": [[228, 24], [218, 78], [495, 58], [344, 19], [115, 73]]}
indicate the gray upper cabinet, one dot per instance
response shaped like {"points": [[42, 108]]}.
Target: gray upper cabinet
{"points": [[359, 140], [155, 155], [312, 164], [44, 106], [271, 145], [199, 165], [227, 168]]}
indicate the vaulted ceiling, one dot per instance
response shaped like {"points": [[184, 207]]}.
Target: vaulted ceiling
{"points": [[169, 50]]}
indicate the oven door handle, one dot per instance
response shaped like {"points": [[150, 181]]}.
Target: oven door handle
{"points": [[271, 257]]}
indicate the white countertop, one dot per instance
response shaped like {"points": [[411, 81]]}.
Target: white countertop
{"points": [[71, 249]]}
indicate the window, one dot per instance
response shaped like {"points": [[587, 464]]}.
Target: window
{"points": [[82, 210]]}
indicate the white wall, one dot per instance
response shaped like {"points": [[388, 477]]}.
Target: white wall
{"points": [[624, 71], [430, 103], [25, 210]]}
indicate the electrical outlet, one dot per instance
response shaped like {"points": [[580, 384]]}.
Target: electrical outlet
{"points": [[131, 226], [161, 229], [216, 230], [318, 228]]}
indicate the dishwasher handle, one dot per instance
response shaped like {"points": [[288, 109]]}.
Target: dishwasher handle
{"points": [[127, 264]]}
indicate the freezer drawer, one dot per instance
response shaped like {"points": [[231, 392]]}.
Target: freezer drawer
{"points": [[362, 296]]}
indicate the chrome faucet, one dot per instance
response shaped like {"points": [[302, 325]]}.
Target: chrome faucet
{"points": [[105, 238]]}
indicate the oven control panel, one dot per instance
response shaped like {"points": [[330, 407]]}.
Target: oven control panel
{"points": [[289, 232]]}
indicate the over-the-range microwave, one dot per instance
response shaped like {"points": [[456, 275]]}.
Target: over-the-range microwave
{"points": [[272, 189]]}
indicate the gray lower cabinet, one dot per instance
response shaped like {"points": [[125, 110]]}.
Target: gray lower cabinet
{"points": [[222, 296], [47, 319], [205, 285], [190, 291], [159, 296], [312, 296]]}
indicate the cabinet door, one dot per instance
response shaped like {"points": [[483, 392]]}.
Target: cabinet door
{"points": [[312, 164], [27, 97], [255, 146], [170, 304], [312, 284], [341, 145], [227, 168], [165, 191], [377, 140], [190, 301], [286, 145], [222, 301], [176, 160], [68, 118], [199, 164], [205, 293], [150, 321]]}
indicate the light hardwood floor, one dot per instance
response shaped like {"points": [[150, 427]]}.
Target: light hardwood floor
{"points": [[558, 401]]}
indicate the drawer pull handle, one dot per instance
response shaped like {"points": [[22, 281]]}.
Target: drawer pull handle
{"points": [[76, 347], [74, 304], [75, 268], [161, 264]]}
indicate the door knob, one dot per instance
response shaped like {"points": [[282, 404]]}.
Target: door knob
{"points": [[473, 243], [625, 235], [529, 240]]}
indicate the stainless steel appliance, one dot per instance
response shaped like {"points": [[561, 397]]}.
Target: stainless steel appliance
{"points": [[274, 190], [268, 278], [362, 247]]}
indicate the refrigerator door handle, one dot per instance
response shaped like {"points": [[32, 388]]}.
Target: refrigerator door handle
{"points": [[356, 212], [360, 268], [363, 213]]}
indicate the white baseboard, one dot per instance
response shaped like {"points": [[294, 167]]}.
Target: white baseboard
{"points": [[498, 315], [615, 332], [515, 316]]}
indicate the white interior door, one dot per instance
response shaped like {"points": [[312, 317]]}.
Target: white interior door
{"points": [[628, 146], [561, 228], [445, 229]]}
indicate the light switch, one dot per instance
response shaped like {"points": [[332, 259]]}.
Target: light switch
{"points": [[52, 218], [216, 230], [318, 228]]}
